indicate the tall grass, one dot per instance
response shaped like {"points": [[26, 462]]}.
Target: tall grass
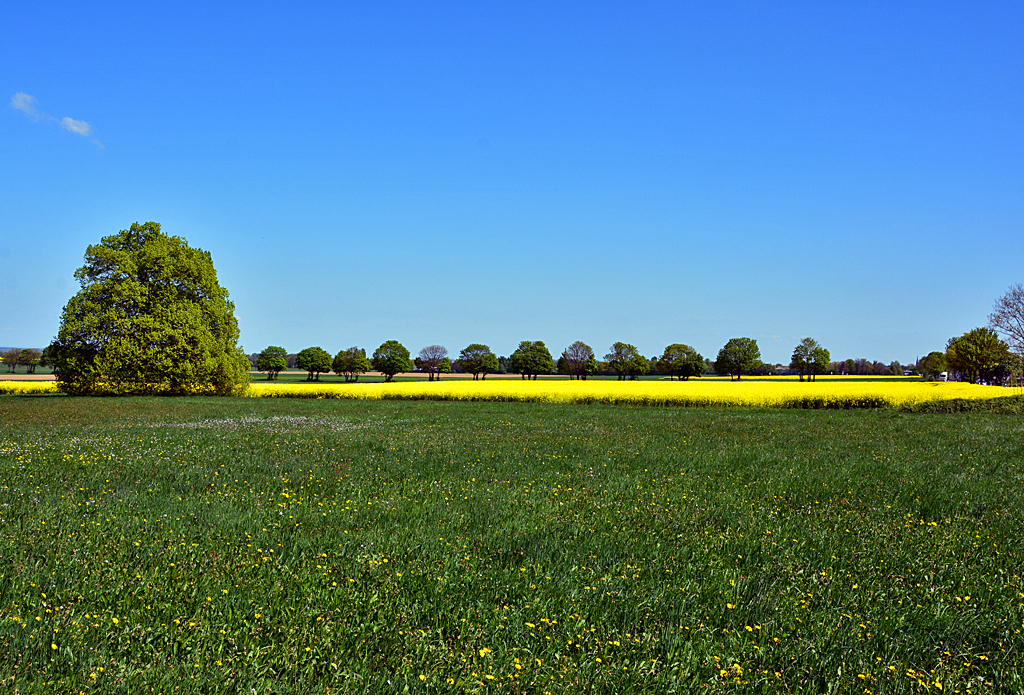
{"points": [[227, 545]]}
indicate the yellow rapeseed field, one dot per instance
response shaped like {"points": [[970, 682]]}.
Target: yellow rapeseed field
{"points": [[774, 392], [27, 388], [777, 392], [31, 388]]}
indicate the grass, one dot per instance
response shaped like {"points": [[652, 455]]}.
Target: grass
{"points": [[239, 545]]}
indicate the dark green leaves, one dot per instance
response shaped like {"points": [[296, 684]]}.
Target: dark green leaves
{"points": [[737, 356], [150, 318], [391, 358]]}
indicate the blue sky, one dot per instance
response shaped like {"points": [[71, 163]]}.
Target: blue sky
{"points": [[495, 172]]}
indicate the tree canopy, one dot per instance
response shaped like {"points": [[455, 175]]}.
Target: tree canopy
{"points": [[11, 359], [478, 360], [31, 358], [975, 354], [576, 358], [532, 358], [150, 317], [809, 359], [430, 359], [681, 361], [391, 358], [351, 362], [932, 365], [272, 360], [626, 361], [315, 360], [737, 356], [1008, 370]]}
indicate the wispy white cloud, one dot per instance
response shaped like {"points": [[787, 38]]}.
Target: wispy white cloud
{"points": [[80, 127], [26, 103]]}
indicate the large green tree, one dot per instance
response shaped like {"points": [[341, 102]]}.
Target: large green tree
{"points": [[737, 356], [932, 365], [531, 358], [478, 360], [351, 362], [809, 359], [150, 318], [391, 358], [975, 354], [315, 360], [626, 361], [681, 361], [272, 360]]}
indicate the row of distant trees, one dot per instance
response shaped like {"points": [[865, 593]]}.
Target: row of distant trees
{"points": [[529, 360], [978, 356], [27, 357], [532, 358]]}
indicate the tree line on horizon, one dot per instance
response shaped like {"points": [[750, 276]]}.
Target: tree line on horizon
{"points": [[978, 356], [150, 317]]}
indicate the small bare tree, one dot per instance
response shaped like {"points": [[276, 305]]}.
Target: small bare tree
{"points": [[1007, 317], [430, 360], [576, 356]]}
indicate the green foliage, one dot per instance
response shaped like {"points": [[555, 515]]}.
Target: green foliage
{"points": [[1008, 370], [626, 361], [737, 356], [608, 550], [391, 358], [351, 362], [315, 360], [531, 358], [30, 357], [11, 359], [976, 354], [681, 361], [478, 360], [933, 365], [47, 356], [273, 360], [150, 318], [809, 358]]}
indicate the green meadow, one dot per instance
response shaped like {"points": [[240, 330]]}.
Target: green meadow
{"points": [[292, 546]]}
